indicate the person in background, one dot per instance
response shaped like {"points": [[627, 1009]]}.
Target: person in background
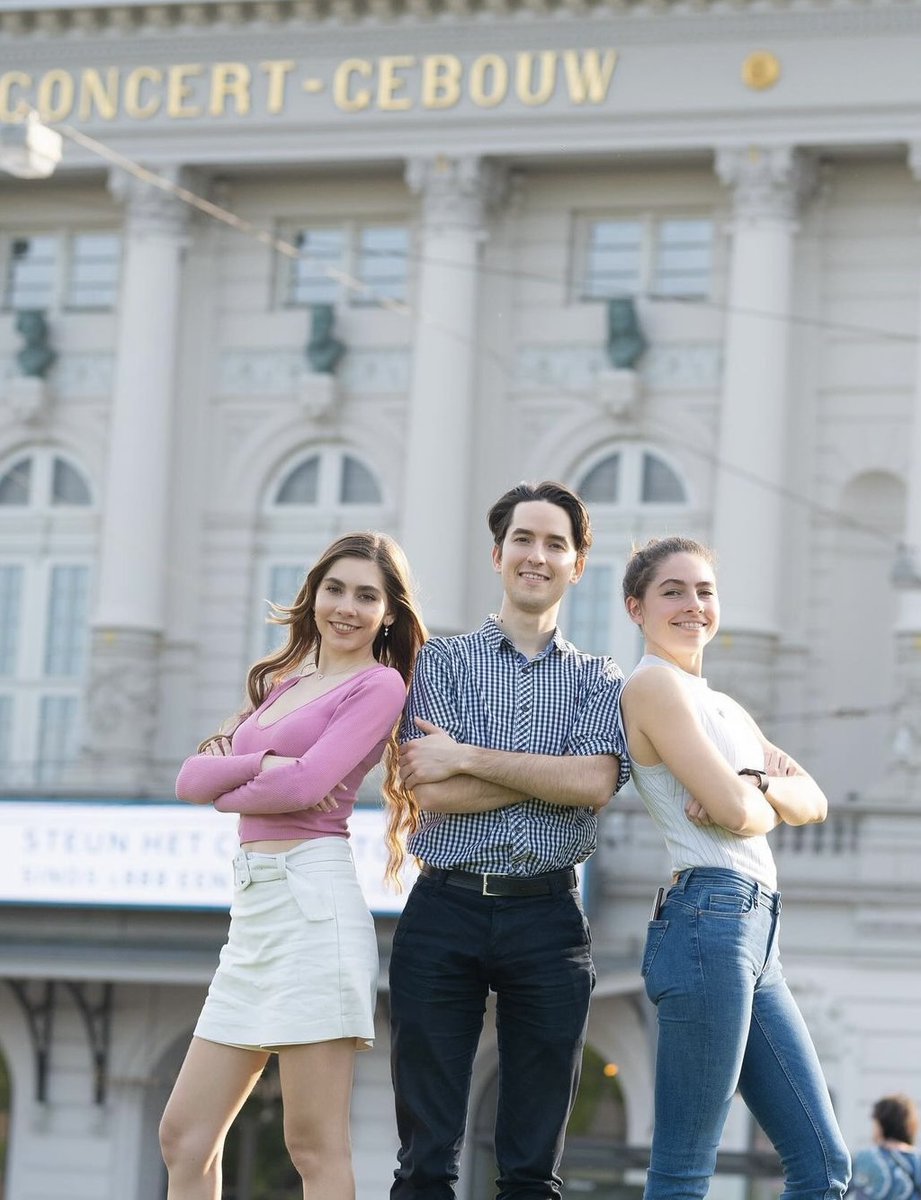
{"points": [[298, 975], [891, 1168], [715, 787], [511, 746]]}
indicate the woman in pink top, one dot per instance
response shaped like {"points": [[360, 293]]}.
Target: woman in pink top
{"points": [[298, 975]]}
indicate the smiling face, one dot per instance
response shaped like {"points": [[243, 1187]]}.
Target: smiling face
{"points": [[679, 612], [537, 557], [350, 607]]}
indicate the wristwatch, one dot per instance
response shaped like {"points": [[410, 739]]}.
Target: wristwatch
{"points": [[761, 776]]}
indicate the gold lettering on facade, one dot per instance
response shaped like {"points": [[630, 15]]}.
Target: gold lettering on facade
{"points": [[524, 77], [55, 97], [230, 80], [179, 90], [277, 71], [136, 107], [441, 80], [588, 76], [488, 80], [389, 82], [9, 100], [346, 97], [98, 97]]}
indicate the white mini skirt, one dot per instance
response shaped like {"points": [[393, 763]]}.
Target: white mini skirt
{"points": [[300, 964]]}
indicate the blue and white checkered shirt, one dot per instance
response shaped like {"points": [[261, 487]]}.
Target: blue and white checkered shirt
{"points": [[483, 691]]}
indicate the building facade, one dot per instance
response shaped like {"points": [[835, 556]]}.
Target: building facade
{"points": [[314, 265]]}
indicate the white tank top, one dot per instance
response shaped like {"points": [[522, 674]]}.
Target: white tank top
{"points": [[689, 844]]}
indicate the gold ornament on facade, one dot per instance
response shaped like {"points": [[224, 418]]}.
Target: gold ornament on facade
{"points": [[760, 70]]}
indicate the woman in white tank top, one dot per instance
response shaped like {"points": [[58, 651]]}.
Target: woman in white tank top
{"points": [[716, 787]]}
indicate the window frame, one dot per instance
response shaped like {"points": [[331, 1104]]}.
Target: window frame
{"points": [[60, 299], [651, 221], [352, 229], [39, 537]]}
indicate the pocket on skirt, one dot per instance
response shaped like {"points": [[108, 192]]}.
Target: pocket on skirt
{"points": [[313, 897]]}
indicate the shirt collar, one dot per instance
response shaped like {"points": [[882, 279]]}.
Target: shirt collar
{"points": [[497, 639]]}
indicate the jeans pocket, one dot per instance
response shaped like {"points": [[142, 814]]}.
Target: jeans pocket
{"points": [[729, 903], [655, 932]]}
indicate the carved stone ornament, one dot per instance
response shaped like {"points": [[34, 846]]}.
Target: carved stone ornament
{"points": [[457, 192], [617, 390], [150, 209], [318, 395], [768, 182], [29, 399]]}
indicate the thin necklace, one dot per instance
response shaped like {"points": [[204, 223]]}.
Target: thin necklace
{"points": [[332, 674]]}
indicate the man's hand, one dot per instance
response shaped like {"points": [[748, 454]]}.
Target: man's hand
{"points": [[430, 759]]}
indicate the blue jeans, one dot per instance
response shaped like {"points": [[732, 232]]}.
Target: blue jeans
{"points": [[450, 948], [727, 1020]]}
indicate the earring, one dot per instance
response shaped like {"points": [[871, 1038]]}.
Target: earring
{"points": [[386, 631]]}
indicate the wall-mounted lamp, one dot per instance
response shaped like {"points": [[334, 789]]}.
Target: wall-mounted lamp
{"points": [[29, 149]]}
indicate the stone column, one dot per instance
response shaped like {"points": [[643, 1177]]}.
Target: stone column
{"points": [[901, 780], [131, 593], [768, 187], [456, 195]]}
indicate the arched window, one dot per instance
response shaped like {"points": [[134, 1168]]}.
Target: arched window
{"points": [[316, 496], [329, 479], [633, 492], [46, 560], [631, 476]]}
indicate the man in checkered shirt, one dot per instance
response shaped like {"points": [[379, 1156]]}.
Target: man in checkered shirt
{"points": [[512, 743]]}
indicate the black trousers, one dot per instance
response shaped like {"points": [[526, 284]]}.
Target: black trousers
{"points": [[450, 948]]}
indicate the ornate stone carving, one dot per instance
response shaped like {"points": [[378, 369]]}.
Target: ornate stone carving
{"points": [[150, 209], [770, 183], [29, 399], [457, 192], [121, 709], [278, 372], [684, 367]]}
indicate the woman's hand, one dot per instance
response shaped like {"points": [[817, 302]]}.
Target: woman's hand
{"points": [[329, 803], [696, 812], [219, 746]]}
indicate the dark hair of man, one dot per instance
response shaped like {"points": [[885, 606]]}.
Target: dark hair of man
{"points": [[898, 1118], [499, 516]]}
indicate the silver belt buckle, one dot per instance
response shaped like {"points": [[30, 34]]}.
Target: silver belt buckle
{"points": [[486, 891]]}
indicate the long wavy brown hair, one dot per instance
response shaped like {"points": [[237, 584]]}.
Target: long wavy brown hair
{"points": [[398, 649]]}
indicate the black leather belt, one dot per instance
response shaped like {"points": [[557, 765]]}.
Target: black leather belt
{"points": [[547, 884]]}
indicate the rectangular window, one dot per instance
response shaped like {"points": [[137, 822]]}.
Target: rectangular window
{"points": [[284, 581], [6, 736], [684, 251], [57, 737], [668, 256], [95, 260], [588, 625], [309, 283], [10, 602], [613, 260], [383, 260], [31, 274], [68, 603], [374, 255]]}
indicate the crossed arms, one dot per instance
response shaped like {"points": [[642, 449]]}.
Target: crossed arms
{"points": [[662, 726]]}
